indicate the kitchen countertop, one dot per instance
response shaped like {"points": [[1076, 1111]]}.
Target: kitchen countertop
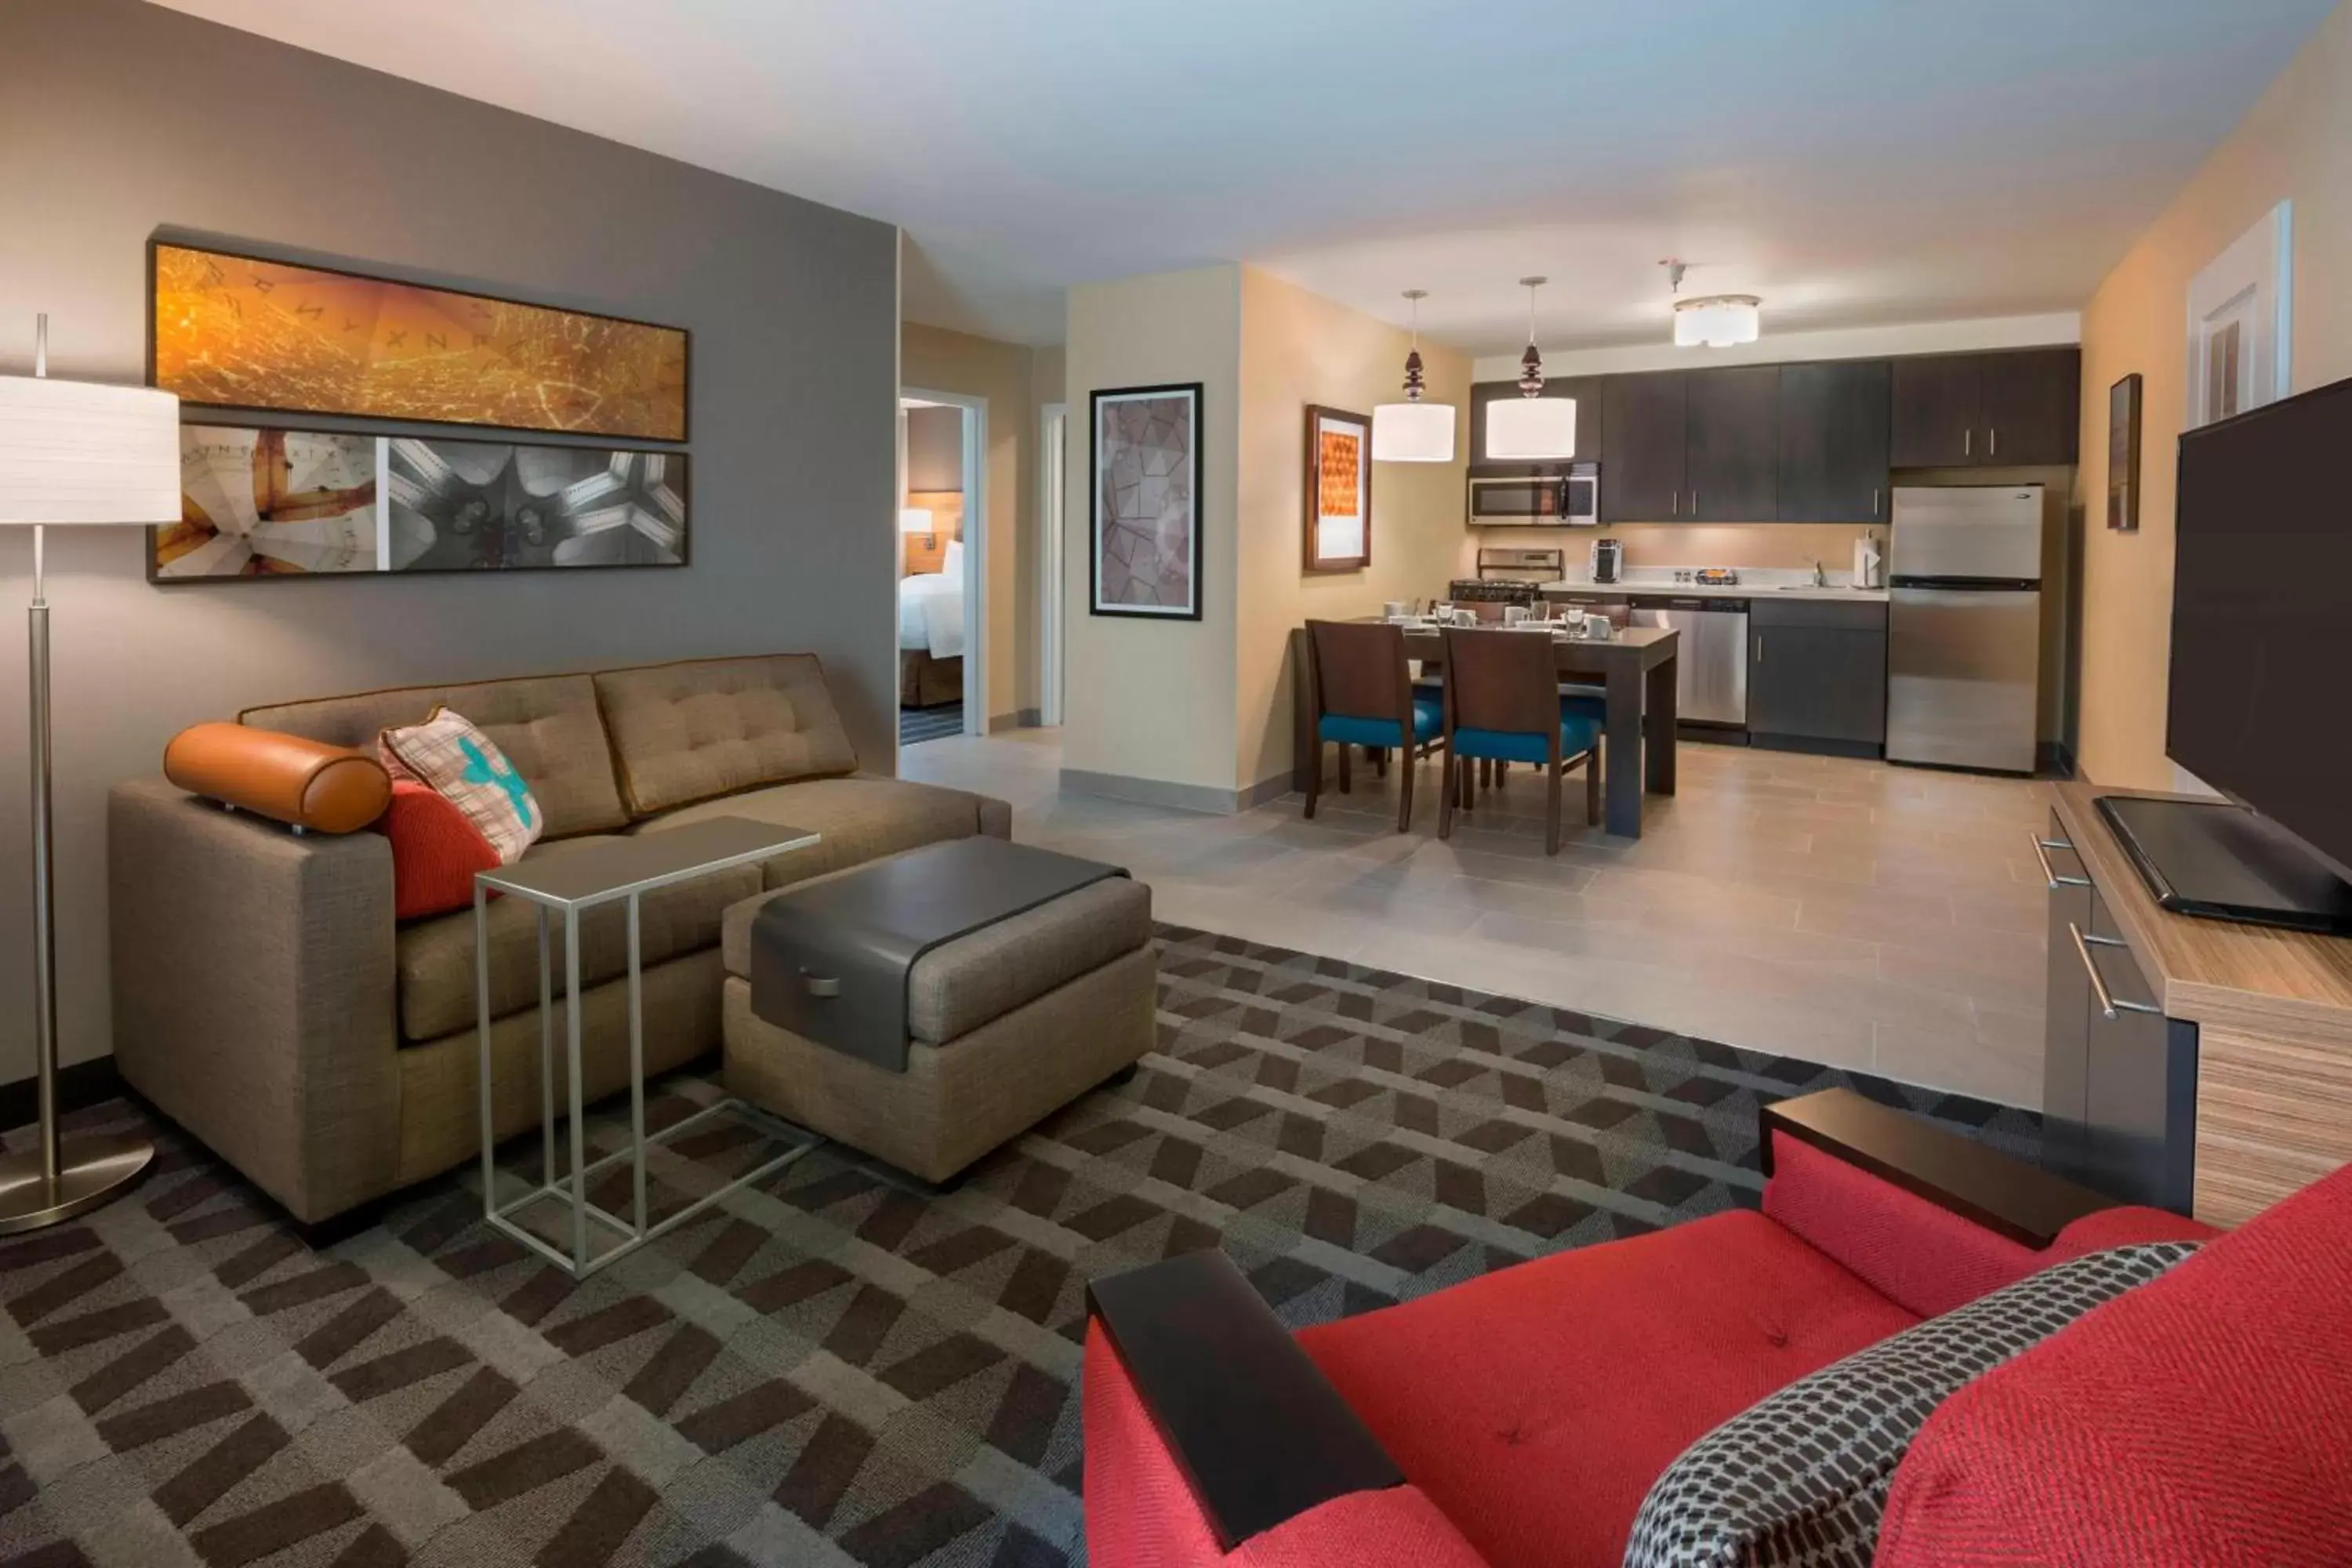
{"points": [[1702, 591]]}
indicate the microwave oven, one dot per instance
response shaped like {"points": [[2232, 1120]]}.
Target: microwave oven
{"points": [[1566, 495]]}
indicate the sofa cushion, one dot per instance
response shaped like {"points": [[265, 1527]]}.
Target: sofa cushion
{"points": [[861, 819], [547, 726], [2205, 1417], [977, 979], [691, 731], [1537, 1405], [435, 958]]}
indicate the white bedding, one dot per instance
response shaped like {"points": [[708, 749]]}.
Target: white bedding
{"points": [[931, 613]]}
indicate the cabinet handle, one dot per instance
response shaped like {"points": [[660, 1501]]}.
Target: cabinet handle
{"points": [[1967, 443], [1760, 647], [2108, 1006], [2042, 847], [1992, 442], [1678, 503], [1873, 503], [1693, 504]]}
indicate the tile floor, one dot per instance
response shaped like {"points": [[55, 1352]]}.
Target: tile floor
{"points": [[1846, 912]]}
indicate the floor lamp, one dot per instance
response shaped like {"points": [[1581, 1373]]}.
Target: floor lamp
{"points": [[71, 452]]}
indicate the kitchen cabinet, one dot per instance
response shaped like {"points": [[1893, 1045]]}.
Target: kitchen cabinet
{"points": [[1732, 445], [1989, 410], [1835, 441], [1644, 437], [1817, 675], [1587, 390]]}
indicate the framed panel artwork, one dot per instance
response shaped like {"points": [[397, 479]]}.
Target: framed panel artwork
{"points": [[242, 332], [1338, 522], [260, 503], [1146, 547], [2123, 454]]}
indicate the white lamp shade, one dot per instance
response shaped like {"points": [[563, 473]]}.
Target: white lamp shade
{"points": [[1412, 432], [78, 451], [915, 519], [1531, 429], [1718, 322]]}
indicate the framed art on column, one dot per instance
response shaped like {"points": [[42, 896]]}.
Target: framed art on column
{"points": [[1145, 552], [1338, 490]]}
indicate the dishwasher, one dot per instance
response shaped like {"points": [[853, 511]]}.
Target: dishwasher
{"points": [[1711, 662]]}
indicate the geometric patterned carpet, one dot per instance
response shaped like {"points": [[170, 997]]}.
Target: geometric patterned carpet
{"points": [[917, 724], [836, 1368]]}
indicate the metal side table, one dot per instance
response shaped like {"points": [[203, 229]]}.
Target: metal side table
{"points": [[626, 870]]}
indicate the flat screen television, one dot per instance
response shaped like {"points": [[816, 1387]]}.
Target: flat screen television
{"points": [[2261, 617]]}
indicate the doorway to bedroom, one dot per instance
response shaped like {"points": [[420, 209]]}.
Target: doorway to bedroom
{"points": [[940, 523]]}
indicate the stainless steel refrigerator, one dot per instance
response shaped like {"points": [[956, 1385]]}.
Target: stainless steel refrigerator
{"points": [[1964, 627]]}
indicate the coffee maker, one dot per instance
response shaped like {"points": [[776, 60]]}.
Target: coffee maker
{"points": [[1608, 560]]}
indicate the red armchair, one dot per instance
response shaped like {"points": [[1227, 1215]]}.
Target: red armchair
{"points": [[1519, 1418]]}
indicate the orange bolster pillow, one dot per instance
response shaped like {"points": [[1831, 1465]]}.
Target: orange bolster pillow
{"points": [[329, 789]]}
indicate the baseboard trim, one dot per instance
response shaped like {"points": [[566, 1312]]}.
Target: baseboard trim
{"points": [[79, 1087], [1264, 789], [1814, 745], [1205, 798], [1031, 718]]}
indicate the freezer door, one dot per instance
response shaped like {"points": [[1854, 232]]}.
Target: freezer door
{"points": [[1968, 530], [1963, 671]]}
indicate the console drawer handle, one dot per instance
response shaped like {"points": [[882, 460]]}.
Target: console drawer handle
{"points": [[2108, 1006], [2042, 847]]}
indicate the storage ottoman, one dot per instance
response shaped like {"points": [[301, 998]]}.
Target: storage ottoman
{"points": [[1005, 1024]]}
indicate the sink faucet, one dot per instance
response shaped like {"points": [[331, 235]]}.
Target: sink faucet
{"points": [[1821, 578]]}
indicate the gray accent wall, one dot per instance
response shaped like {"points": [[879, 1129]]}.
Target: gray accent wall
{"points": [[118, 119]]}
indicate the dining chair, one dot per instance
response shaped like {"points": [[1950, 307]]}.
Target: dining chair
{"points": [[1503, 704], [1364, 696]]}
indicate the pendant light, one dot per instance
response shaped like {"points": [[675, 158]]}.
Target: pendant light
{"points": [[1413, 431], [1717, 320], [1532, 429]]}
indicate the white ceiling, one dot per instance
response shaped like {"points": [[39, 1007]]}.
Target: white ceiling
{"points": [[1854, 162]]}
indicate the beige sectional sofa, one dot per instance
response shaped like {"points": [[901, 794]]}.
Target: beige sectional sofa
{"points": [[266, 999]]}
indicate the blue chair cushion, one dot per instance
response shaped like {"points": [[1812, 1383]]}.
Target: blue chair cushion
{"points": [[1584, 701], [1428, 721], [1576, 734]]}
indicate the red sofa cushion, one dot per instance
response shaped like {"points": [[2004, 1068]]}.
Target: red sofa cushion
{"points": [[1139, 1511], [1535, 1405], [435, 850], [2203, 1418]]}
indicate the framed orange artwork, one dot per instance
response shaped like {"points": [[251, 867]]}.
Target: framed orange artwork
{"points": [[1338, 490], [242, 332]]}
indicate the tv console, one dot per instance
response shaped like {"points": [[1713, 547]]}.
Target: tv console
{"points": [[2199, 1063]]}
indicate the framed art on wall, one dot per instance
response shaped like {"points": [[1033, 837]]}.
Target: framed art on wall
{"points": [[258, 502], [242, 332], [2123, 454], [1146, 535], [1338, 522]]}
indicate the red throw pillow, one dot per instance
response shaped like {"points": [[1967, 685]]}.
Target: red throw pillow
{"points": [[435, 850]]}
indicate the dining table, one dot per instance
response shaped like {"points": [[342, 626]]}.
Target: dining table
{"points": [[1635, 669]]}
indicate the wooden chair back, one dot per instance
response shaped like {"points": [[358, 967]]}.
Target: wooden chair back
{"points": [[1360, 670], [1501, 680]]}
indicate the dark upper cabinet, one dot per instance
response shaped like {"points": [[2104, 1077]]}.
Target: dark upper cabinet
{"points": [[1835, 441], [1937, 403], [1989, 410], [1585, 390], [1817, 672], [1732, 445], [2033, 405], [1643, 439]]}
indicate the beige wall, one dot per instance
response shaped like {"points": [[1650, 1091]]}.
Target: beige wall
{"points": [[936, 360], [2297, 144], [1153, 699], [1300, 348]]}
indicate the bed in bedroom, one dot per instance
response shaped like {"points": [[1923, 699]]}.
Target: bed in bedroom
{"points": [[931, 635]]}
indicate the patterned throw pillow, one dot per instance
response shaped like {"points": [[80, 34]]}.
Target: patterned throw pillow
{"points": [[1799, 1479], [467, 766]]}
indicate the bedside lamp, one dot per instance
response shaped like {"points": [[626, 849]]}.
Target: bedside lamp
{"points": [[71, 452], [915, 519]]}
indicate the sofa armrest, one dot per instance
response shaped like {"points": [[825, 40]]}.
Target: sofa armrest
{"points": [[1257, 1434], [1983, 1186], [253, 991]]}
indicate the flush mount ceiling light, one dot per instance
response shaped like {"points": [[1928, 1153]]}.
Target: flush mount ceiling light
{"points": [[1716, 320], [1413, 431], [1532, 429]]}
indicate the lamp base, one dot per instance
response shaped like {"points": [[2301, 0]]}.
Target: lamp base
{"points": [[91, 1169]]}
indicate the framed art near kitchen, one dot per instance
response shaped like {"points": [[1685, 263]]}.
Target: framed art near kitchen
{"points": [[229, 331], [1145, 551], [1338, 522], [2123, 454]]}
